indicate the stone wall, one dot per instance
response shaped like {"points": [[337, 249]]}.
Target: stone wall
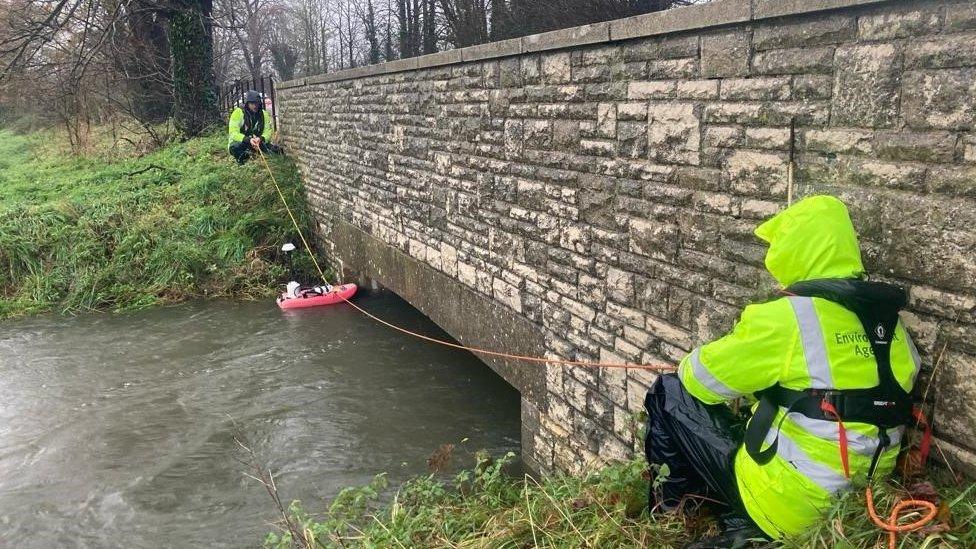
{"points": [[591, 193]]}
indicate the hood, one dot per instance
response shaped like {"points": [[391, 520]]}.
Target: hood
{"points": [[812, 239]]}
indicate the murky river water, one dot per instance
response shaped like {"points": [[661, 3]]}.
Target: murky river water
{"points": [[119, 430]]}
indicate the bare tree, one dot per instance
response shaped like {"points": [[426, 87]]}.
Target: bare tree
{"points": [[249, 21]]}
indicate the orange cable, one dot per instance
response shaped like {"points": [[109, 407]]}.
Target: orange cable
{"points": [[892, 526], [475, 350]]}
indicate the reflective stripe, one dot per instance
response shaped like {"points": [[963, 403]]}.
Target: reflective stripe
{"points": [[915, 356], [814, 348], [818, 473], [829, 431], [707, 379]]}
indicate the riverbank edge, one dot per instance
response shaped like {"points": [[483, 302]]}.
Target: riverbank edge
{"points": [[116, 230], [486, 507]]}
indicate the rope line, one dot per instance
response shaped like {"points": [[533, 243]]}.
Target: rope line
{"points": [[892, 526], [442, 342]]}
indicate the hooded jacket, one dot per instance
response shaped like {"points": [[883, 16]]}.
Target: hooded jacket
{"points": [[801, 343], [244, 124]]}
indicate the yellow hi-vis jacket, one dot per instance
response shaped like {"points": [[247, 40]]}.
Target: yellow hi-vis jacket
{"points": [[235, 127], [801, 343]]}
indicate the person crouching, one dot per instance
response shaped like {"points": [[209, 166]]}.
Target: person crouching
{"points": [[249, 129]]}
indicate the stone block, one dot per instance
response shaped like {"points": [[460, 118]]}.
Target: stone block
{"points": [[768, 88], [664, 47], [597, 55], [529, 69], [916, 146], [957, 181], [790, 33], [794, 61], [940, 99], [960, 16], [945, 52], [620, 286], [969, 148], [659, 89], [598, 147], [843, 141], [672, 68], [767, 138], [723, 136], [866, 86], [898, 24], [566, 134], [632, 139], [591, 74], [956, 384], [697, 89], [653, 239], [812, 86], [632, 111], [556, 68], [757, 174], [510, 73], [673, 134], [725, 54]]}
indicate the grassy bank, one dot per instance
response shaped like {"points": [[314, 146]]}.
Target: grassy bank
{"points": [[110, 231], [484, 507]]}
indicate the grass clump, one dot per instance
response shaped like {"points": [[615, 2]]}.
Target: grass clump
{"points": [[91, 232], [485, 507]]}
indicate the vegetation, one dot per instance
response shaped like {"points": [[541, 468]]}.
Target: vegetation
{"points": [[485, 507], [119, 232]]}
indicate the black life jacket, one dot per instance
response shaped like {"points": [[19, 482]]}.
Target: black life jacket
{"points": [[886, 405], [253, 125]]}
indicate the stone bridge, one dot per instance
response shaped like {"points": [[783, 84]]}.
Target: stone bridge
{"points": [[590, 193]]}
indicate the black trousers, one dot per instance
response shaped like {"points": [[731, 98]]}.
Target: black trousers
{"points": [[242, 151], [696, 441]]}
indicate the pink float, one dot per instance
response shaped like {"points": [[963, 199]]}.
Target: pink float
{"points": [[337, 295]]}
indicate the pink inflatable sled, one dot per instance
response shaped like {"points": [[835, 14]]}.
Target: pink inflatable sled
{"points": [[337, 295]]}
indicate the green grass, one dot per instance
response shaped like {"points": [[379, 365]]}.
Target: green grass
{"points": [[102, 232], [485, 507]]}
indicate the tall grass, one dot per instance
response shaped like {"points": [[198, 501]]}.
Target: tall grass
{"points": [[182, 222], [486, 508]]}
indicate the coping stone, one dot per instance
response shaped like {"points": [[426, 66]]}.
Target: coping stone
{"points": [[446, 57], [686, 18], [492, 50], [763, 9], [711, 14], [293, 83], [593, 33]]}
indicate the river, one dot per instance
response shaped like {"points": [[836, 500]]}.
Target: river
{"points": [[119, 429]]}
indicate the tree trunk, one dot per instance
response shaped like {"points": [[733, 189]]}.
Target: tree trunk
{"points": [[144, 58], [191, 43]]}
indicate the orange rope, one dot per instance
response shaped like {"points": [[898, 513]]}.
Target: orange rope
{"points": [[892, 526], [475, 350]]}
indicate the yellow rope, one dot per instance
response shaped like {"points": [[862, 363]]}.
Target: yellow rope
{"points": [[292, 216]]}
